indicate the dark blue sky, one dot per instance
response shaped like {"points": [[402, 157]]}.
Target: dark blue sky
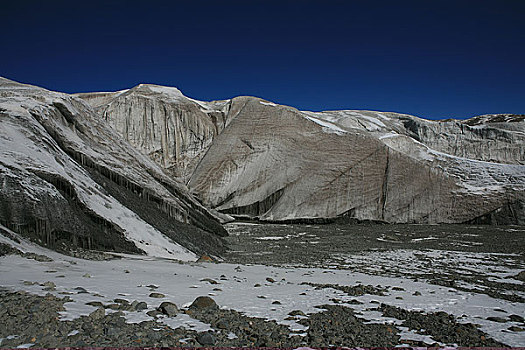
{"points": [[435, 59]]}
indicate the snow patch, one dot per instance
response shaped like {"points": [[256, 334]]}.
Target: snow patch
{"points": [[327, 126], [268, 103]]}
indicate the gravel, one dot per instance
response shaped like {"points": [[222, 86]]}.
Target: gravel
{"points": [[35, 320], [32, 319], [442, 327]]}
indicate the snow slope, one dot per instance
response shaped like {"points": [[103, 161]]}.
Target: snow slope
{"points": [[57, 155]]}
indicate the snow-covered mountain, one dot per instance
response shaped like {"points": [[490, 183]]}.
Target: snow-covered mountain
{"points": [[67, 180], [254, 158]]}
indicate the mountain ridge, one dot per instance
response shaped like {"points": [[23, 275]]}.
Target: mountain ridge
{"points": [[150, 170], [495, 139]]}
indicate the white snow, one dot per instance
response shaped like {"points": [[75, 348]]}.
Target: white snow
{"points": [[268, 103], [327, 126], [170, 92], [388, 134], [376, 122]]}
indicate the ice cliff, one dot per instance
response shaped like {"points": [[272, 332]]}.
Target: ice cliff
{"points": [[250, 157]]}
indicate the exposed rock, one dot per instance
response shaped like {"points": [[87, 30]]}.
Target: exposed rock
{"points": [[441, 326], [520, 276], [169, 309], [496, 319], [209, 280], [206, 338], [205, 258], [204, 303], [138, 306], [296, 313], [157, 295], [98, 313], [516, 318]]}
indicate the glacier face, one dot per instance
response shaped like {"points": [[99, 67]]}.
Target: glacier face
{"points": [[69, 180], [173, 130], [254, 158]]}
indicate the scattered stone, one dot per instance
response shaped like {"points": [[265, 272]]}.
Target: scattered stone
{"points": [[256, 285], [80, 290], [269, 279], [441, 326], [222, 324], [296, 313], [357, 290], [48, 286], [152, 286], [209, 280], [276, 302], [416, 293], [338, 326], [112, 306], [496, 319], [516, 329], [169, 309], [398, 288], [204, 303], [261, 297], [206, 338], [139, 305], [516, 318], [217, 290], [154, 313], [157, 295], [520, 276], [96, 304], [121, 301], [86, 275], [97, 314]]}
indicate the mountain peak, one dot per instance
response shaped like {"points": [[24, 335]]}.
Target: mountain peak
{"points": [[167, 91]]}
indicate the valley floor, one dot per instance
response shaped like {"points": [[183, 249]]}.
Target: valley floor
{"points": [[280, 285]]}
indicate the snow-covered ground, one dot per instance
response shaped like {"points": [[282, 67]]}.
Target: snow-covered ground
{"points": [[135, 277]]}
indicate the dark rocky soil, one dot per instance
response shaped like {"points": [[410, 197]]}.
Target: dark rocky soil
{"points": [[326, 246], [34, 320]]}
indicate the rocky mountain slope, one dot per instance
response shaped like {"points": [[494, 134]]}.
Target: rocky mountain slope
{"points": [[253, 158], [68, 180]]}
